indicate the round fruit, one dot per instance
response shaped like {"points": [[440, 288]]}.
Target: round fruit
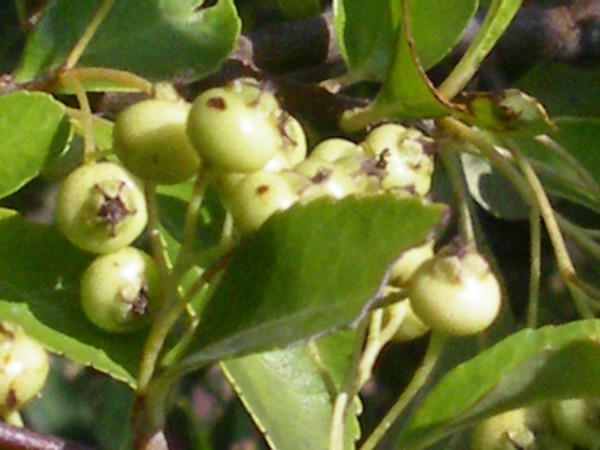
{"points": [[23, 368], [101, 207], [327, 179], [334, 149], [150, 139], [232, 133], [401, 153], [408, 263], [456, 294], [578, 421], [411, 327], [120, 291], [519, 429], [254, 199], [293, 139]]}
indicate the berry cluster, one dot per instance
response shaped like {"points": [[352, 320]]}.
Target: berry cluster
{"points": [[256, 154]]}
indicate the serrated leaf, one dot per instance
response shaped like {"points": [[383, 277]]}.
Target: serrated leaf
{"points": [[34, 130], [580, 140], [39, 289], [525, 368], [287, 396], [491, 190], [307, 271], [136, 36], [367, 32]]}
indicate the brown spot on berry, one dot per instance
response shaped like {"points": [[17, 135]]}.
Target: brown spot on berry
{"points": [[216, 103], [382, 159], [263, 189], [11, 399], [322, 175]]}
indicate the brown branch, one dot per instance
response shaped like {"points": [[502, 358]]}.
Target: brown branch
{"points": [[14, 438]]}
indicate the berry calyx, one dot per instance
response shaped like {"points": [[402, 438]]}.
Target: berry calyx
{"points": [[456, 293], [150, 139], [120, 291], [24, 368]]}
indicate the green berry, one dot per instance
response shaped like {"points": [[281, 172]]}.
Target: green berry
{"points": [[411, 327], [519, 429], [578, 421], [232, 133], [327, 179], [254, 199], [456, 293], [408, 263], [120, 291], [24, 368], [101, 207], [402, 154], [150, 139], [334, 149]]}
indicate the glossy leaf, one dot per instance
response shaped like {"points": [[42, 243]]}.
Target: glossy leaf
{"points": [[491, 190], [564, 90], [579, 144], [525, 368], [137, 35], [367, 32], [34, 130], [407, 93], [39, 290], [310, 270], [287, 396]]}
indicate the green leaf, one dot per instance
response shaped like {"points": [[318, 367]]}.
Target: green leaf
{"points": [[34, 130], [287, 396], [491, 190], [367, 32], [157, 39], [579, 145], [39, 289], [407, 93], [565, 90], [310, 270], [525, 368]]}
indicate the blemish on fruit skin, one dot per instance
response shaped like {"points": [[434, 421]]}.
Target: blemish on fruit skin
{"points": [[216, 103], [11, 399], [322, 175], [262, 189]]}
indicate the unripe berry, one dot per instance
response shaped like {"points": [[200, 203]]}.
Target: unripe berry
{"points": [[519, 429], [254, 199], [408, 263], [578, 421], [101, 207], [231, 133], [150, 139], [456, 294], [120, 291], [24, 368], [402, 153]]}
